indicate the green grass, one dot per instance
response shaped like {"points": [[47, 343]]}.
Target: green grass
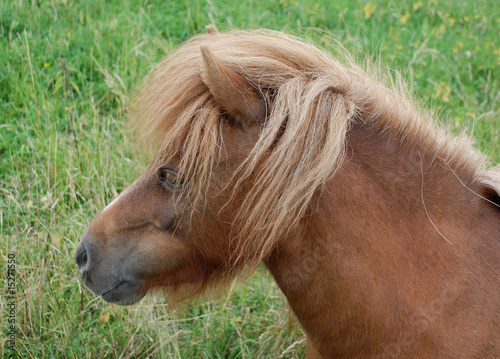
{"points": [[66, 71]]}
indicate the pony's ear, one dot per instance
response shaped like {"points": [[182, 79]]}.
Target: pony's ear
{"points": [[490, 185], [237, 97]]}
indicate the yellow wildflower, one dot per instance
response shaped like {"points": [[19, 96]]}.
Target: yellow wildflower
{"points": [[417, 5], [369, 9], [404, 17]]}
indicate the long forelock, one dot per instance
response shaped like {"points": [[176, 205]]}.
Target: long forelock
{"points": [[315, 98]]}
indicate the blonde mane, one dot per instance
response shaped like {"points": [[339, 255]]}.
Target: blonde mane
{"points": [[313, 99]]}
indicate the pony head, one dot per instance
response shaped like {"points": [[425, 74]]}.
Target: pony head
{"points": [[246, 127]]}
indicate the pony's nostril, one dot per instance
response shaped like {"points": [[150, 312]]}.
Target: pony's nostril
{"points": [[81, 256]]}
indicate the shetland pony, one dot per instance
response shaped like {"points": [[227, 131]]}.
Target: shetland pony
{"points": [[382, 231]]}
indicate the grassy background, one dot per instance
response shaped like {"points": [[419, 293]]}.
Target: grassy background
{"points": [[66, 70]]}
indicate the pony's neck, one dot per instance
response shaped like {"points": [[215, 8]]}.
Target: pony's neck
{"points": [[381, 235]]}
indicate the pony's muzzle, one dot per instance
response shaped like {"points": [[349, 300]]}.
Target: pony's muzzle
{"points": [[108, 279]]}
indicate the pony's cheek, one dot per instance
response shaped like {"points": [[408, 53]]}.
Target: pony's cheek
{"points": [[166, 262], [164, 254]]}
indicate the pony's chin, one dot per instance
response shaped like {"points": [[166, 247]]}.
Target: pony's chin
{"points": [[125, 293]]}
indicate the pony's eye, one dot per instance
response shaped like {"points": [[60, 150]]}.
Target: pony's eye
{"points": [[169, 178]]}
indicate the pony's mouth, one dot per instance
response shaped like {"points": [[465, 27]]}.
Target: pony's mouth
{"points": [[124, 293]]}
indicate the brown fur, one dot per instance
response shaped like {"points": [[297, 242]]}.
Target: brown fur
{"points": [[382, 231]]}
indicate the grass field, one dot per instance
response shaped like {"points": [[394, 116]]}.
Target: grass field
{"points": [[67, 69]]}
